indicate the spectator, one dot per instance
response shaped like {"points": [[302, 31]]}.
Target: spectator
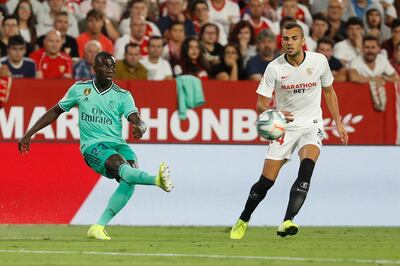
{"points": [[137, 35], [351, 47], [374, 22], [388, 45], [192, 59], [337, 27], [157, 67], [175, 13], [244, 37], [27, 21], [84, 68], [37, 6], [139, 8], [359, 7], [213, 50], [46, 19], [225, 12], [18, 65], [395, 60], [50, 61], [325, 47], [201, 16], [110, 15], [172, 50], [371, 65], [110, 9], [69, 44], [94, 24], [291, 8], [130, 67], [256, 19], [11, 28], [319, 28], [231, 64], [266, 52]]}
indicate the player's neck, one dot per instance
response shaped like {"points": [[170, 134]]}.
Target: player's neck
{"points": [[102, 84], [296, 59]]}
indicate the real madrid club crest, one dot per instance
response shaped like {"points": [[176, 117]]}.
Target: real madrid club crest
{"points": [[309, 71], [87, 91]]}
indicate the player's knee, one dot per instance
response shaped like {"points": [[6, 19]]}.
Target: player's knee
{"points": [[113, 163]]}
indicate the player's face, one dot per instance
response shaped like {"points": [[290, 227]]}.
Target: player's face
{"points": [[370, 50], [292, 41], [194, 50], [326, 50], [16, 53], [155, 48], [105, 69], [61, 24], [132, 56]]}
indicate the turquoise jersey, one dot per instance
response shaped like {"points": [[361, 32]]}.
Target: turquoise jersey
{"points": [[100, 113]]}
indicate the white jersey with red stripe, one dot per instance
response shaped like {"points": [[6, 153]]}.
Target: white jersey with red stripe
{"points": [[298, 89]]}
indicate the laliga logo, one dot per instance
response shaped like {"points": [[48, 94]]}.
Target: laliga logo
{"points": [[348, 121]]}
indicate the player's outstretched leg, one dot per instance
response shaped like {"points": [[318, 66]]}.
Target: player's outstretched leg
{"points": [[257, 193], [298, 194]]}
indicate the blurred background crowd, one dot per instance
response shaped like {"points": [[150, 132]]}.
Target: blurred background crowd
{"points": [[210, 39]]}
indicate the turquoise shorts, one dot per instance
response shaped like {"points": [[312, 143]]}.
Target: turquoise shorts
{"points": [[97, 154]]}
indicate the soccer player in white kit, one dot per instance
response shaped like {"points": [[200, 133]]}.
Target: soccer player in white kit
{"points": [[297, 78]]}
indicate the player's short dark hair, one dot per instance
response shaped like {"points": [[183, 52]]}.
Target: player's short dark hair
{"points": [[16, 40], [131, 44], [174, 23], [94, 13], [320, 16], [326, 40], [354, 21], [9, 17], [100, 56], [154, 38], [292, 25], [367, 38], [286, 20], [395, 24]]}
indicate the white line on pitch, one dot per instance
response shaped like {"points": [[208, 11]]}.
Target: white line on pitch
{"points": [[206, 256]]}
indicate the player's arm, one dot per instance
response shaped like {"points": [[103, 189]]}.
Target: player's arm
{"points": [[139, 126], [332, 102], [50, 116]]}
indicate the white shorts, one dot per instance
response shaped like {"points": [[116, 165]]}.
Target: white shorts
{"points": [[293, 139]]}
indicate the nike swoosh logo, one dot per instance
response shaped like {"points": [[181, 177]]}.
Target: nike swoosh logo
{"points": [[284, 77]]}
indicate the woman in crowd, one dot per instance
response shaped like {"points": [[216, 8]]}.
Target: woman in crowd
{"points": [[27, 21], [243, 35], [212, 49], [231, 66]]}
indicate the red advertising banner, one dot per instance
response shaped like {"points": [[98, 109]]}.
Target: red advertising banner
{"points": [[227, 117]]}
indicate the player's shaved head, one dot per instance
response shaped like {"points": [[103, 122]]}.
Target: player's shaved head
{"points": [[101, 57]]}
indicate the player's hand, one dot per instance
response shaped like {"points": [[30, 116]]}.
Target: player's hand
{"points": [[288, 115], [139, 130], [23, 144], [344, 137]]}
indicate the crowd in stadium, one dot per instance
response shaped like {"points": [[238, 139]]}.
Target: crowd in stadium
{"points": [[211, 39]]}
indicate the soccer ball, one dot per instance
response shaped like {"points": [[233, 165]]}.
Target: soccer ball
{"points": [[271, 124]]}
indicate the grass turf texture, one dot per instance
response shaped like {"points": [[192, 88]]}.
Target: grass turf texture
{"points": [[67, 245]]}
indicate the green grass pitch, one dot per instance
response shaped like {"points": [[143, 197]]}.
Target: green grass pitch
{"points": [[66, 245]]}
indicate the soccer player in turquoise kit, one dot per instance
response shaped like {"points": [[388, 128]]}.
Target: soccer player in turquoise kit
{"points": [[102, 104]]}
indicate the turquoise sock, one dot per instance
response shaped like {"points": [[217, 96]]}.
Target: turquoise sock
{"points": [[135, 176], [118, 200]]}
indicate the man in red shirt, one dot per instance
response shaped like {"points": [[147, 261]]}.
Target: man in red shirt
{"points": [[95, 22], [50, 61]]}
